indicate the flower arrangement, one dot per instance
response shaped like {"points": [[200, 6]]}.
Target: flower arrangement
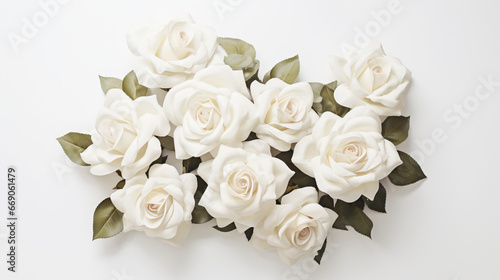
{"points": [[280, 161]]}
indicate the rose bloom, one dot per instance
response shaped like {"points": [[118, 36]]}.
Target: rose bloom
{"points": [[347, 156], [173, 52], [297, 228], [210, 110], [243, 184], [285, 112], [370, 78], [125, 137], [160, 206]]}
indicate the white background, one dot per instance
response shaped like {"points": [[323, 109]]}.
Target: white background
{"points": [[445, 228]]}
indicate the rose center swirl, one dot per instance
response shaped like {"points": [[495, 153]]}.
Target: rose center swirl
{"points": [[350, 153], [108, 129], [207, 114], [289, 106], [377, 69], [157, 204], [242, 183], [303, 236]]}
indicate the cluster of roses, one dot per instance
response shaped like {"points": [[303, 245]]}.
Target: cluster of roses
{"points": [[186, 92]]}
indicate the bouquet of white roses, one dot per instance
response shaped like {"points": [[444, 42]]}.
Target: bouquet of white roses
{"points": [[281, 161]]}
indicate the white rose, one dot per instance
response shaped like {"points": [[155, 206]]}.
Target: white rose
{"points": [[171, 53], [347, 156], [210, 110], [160, 206], [370, 78], [285, 112], [243, 184], [297, 228], [125, 133]]}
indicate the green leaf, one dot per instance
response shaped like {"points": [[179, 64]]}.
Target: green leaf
{"points": [[359, 203], [200, 215], [132, 87], [159, 160], [237, 46], [340, 222], [167, 142], [326, 201], [108, 221], [240, 56], [286, 70], [378, 203], [202, 186], [407, 173], [332, 85], [227, 228], [74, 144], [164, 159], [290, 188], [108, 83], [120, 185], [251, 136], [251, 73], [249, 233], [328, 101], [299, 179], [238, 61], [352, 215], [321, 251], [190, 164], [395, 129], [249, 66], [267, 77], [316, 88]]}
